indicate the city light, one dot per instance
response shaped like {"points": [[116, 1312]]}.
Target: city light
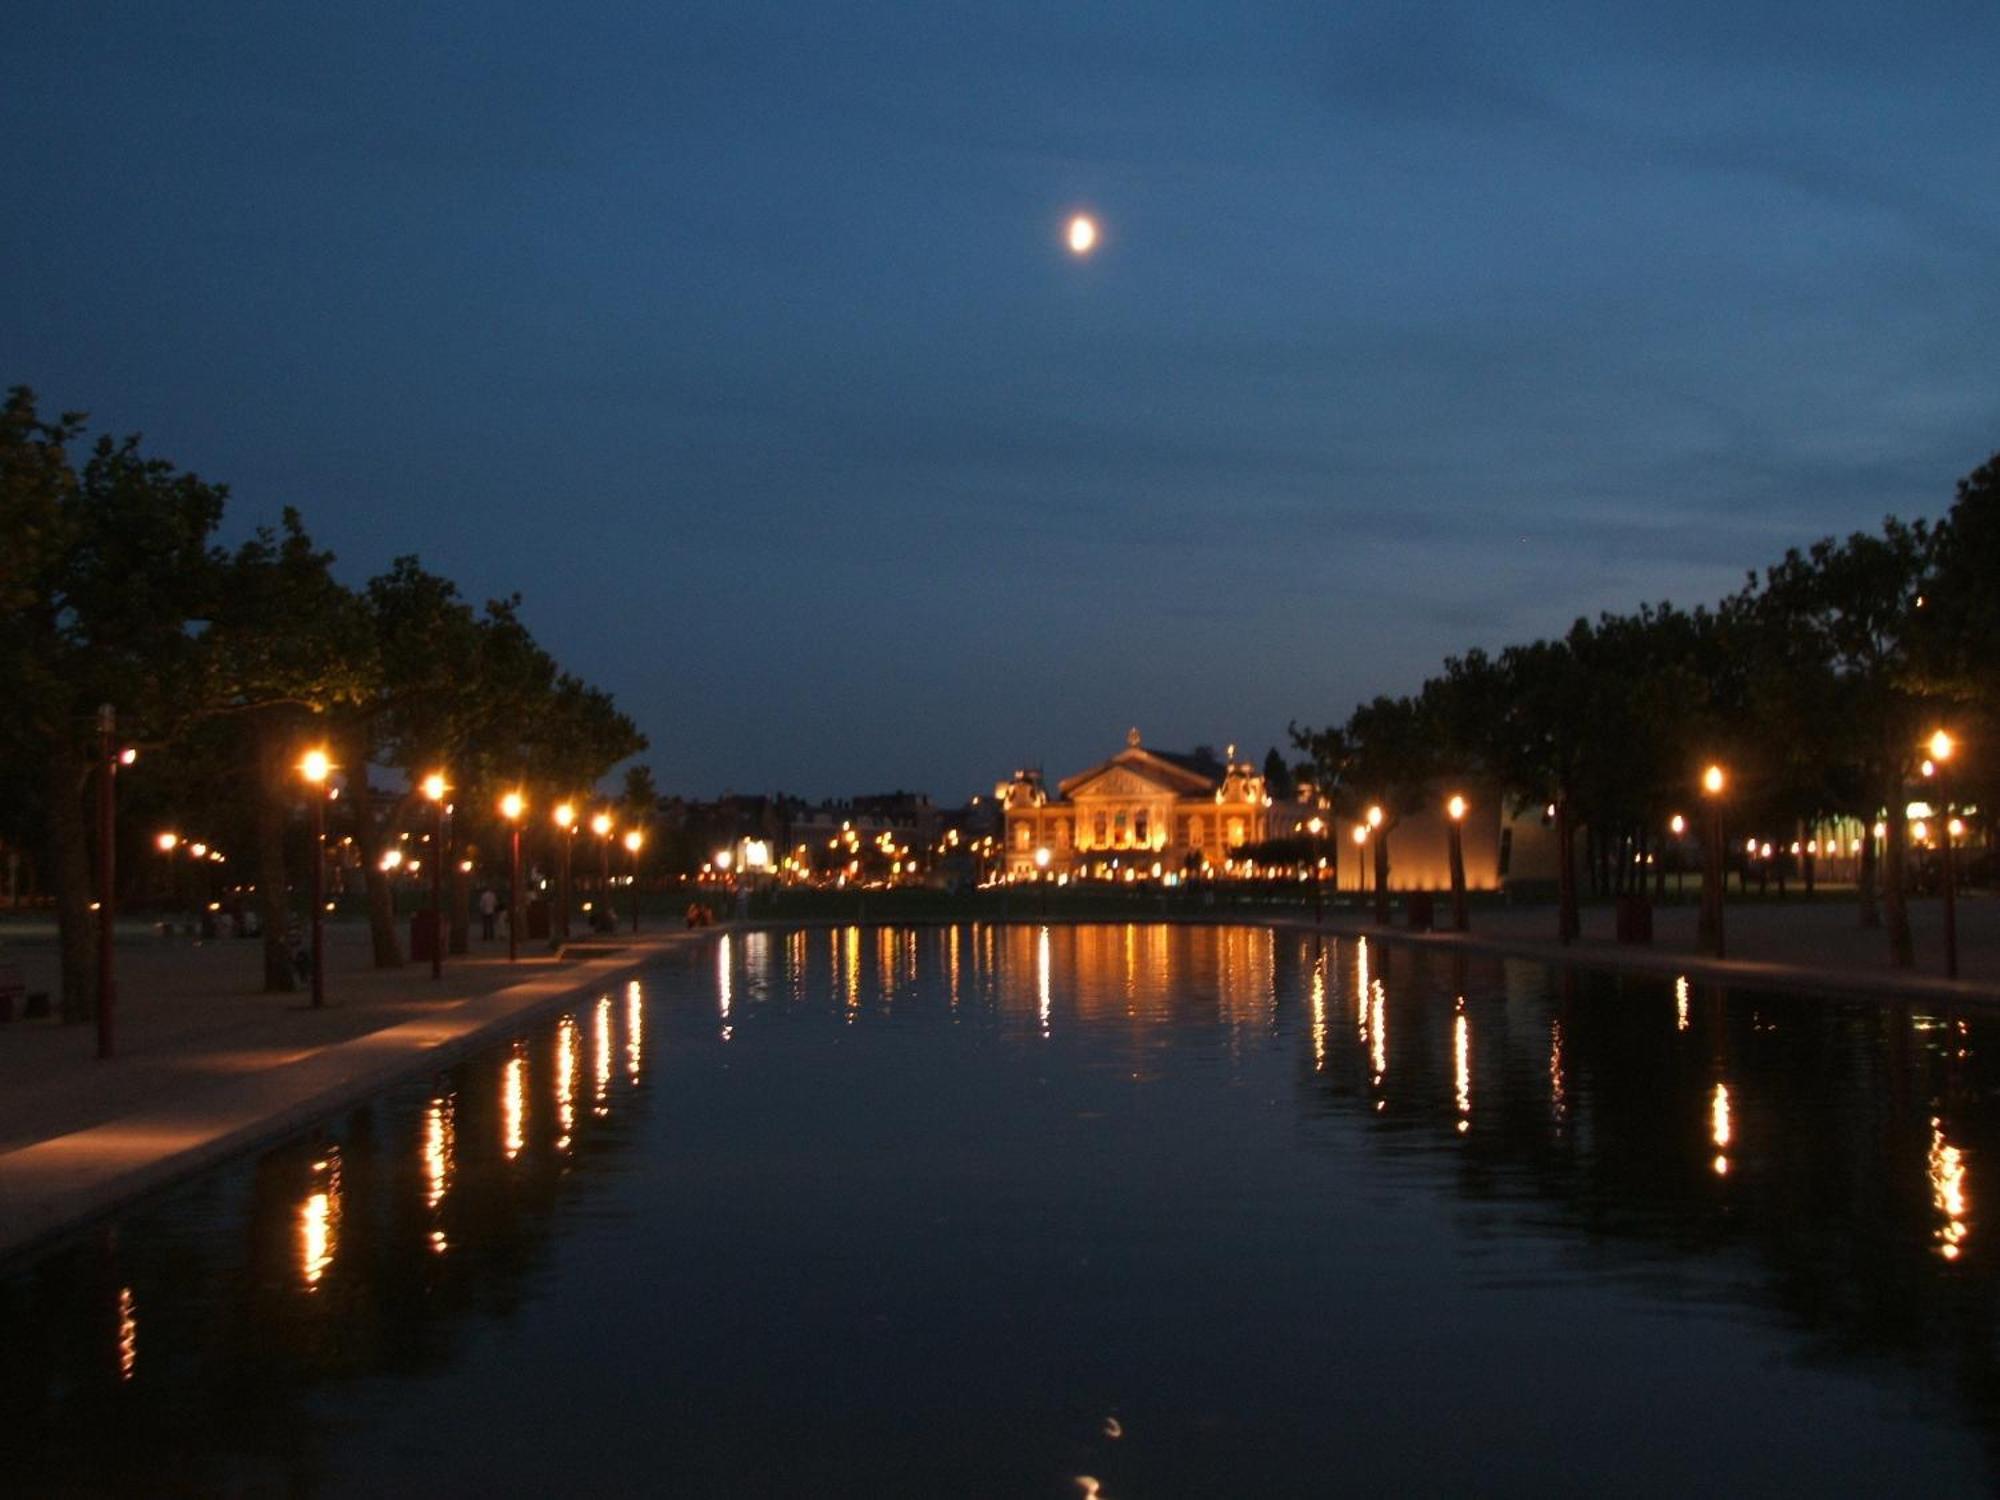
{"points": [[512, 806], [633, 839], [1456, 808], [565, 816], [167, 842], [1941, 746], [600, 824], [1712, 781], [315, 766], [434, 787], [1082, 234]]}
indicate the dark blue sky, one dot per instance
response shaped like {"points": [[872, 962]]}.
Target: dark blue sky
{"points": [[742, 341]]}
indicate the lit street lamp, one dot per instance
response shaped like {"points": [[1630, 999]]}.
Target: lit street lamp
{"points": [[1316, 825], [600, 824], [565, 816], [1941, 746], [1455, 811], [110, 758], [434, 789], [315, 767], [511, 807], [1712, 783], [633, 839], [1374, 816], [1678, 826]]}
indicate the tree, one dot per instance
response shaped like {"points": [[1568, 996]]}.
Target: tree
{"points": [[107, 569], [287, 647], [1277, 775]]}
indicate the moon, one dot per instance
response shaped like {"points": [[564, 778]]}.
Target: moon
{"points": [[1082, 234]]}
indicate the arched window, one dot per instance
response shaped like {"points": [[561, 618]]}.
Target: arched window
{"points": [[1139, 822], [1100, 830], [1118, 823]]}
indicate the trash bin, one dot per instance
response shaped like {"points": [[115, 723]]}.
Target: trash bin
{"points": [[1421, 911], [424, 935], [1635, 919]]}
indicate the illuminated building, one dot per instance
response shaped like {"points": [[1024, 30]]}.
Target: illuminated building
{"points": [[1139, 810]]}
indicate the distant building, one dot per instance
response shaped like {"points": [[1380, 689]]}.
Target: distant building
{"points": [[1153, 812]]}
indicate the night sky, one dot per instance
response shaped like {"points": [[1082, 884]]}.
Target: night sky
{"points": [[743, 340]]}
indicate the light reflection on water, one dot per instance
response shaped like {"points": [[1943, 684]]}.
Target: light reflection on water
{"points": [[1031, 1176]]}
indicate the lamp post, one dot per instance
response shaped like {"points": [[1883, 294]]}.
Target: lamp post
{"points": [[511, 807], [565, 816], [1677, 825], [1381, 865], [434, 789], [600, 824], [1941, 747], [1455, 811], [1316, 825], [315, 767], [633, 839], [109, 759], [1712, 783]]}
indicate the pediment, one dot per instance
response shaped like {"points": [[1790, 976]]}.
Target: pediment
{"points": [[1121, 781]]}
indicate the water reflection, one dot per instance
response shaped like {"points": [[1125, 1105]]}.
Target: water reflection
{"points": [[128, 1333], [1461, 1055], [319, 1220], [1719, 1128], [1947, 1177], [722, 983], [635, 1029], [566, 1054], [290, 1308], [514, 1103]]}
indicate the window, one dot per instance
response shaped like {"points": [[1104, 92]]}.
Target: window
{"points": [[1023, 835], [1118, 823], [1100, 830], [1139, 827], [1195, 831]]}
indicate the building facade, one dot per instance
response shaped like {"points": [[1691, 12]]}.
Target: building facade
{"points": [[1140, 814]]}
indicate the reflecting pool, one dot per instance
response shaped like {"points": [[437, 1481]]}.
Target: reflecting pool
{"points": [[1133, 1210]]}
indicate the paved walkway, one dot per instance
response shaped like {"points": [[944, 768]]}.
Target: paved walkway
{"points": [[1817, 945], [208, 1065]]}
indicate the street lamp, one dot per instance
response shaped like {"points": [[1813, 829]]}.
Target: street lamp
{"points": [[1374, 816], [600, 824], [633, 839], [1316, 825], [316, 767], [434, 789], [1941, 747], [1713, 781], [511, 807], [1455, 810], [110, 758], [565, 816]]}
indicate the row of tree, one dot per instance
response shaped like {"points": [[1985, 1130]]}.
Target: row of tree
{"points": [[1816, 685], [223, 665]]}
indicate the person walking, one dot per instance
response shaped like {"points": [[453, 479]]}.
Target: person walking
{"points": [[489, 908]]}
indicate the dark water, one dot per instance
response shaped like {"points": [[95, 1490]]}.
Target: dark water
{"points": [[871, 1211]]}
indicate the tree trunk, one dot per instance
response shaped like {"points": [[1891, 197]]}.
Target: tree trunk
{"points": [[70, 864], [1567, 923], [273, 808], [375, 839], [1895, 885], [1871, 909]]}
